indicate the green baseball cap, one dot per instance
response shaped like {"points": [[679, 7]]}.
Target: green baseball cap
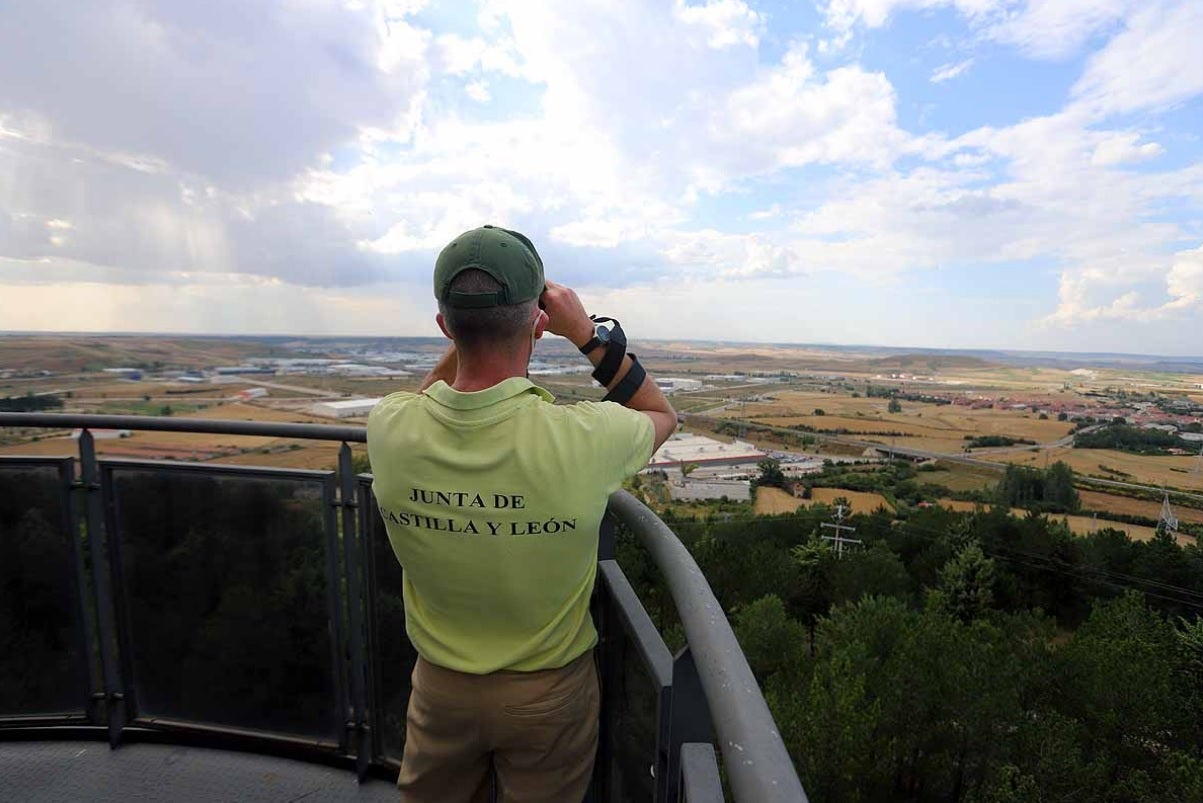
{"points": [[507, 256]]}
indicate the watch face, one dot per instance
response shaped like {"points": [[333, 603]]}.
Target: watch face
{"points": [[603, 334]]}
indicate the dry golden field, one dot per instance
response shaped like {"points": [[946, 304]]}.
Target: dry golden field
{"points": [[959, 477], [771, 501], [922, 426], [774, 500], [1172, 471], [1110, 503], [1079, 525], [201, 447]]}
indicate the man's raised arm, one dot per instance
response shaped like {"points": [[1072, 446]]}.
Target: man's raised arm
{"points": [[567, 318]]}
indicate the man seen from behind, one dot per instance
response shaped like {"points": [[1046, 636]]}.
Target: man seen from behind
{"points": [[492, 497]]}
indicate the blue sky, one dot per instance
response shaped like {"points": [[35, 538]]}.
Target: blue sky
{"points": [[940, 173]]}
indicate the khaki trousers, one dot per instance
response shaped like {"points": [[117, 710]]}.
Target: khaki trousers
{"points": [[536, 732]]}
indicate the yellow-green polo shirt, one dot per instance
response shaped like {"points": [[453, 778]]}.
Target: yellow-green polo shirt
{"points": [[492, 501]]}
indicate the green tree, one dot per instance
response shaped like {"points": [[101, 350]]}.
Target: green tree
{"points": [[894, 406], [967, 584], [771, 640], [771, 473]]}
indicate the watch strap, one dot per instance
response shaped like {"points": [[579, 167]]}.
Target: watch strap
{"points": [[607, 369], [593, 343], [629, 385]]}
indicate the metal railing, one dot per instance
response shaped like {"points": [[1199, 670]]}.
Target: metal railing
{"points": [[260, 609]]}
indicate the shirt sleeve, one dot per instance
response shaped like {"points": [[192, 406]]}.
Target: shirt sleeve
{"points": [[631, 436]]}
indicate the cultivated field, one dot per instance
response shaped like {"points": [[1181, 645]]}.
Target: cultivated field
{"points": [[201, 447], [1110, 503], [922, 426], [1173, 471], [774, 500]]}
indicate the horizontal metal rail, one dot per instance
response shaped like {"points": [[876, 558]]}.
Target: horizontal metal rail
{"points": [[757, 763], [321, 432]]}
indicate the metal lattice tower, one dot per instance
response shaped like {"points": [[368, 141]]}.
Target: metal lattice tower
{"points": [[1168, 522], [839, 528]]}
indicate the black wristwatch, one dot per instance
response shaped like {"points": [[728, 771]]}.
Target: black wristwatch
{"points": [[610, 362], [601, 337]]}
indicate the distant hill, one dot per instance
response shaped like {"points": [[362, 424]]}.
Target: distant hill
{"points": [[920, 363], [75, 353]]}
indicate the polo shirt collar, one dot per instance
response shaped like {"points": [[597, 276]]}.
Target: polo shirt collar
{"points": [[510, 388]]}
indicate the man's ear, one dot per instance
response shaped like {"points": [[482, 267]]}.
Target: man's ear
{"points": [[443, 326], [541, 321]]}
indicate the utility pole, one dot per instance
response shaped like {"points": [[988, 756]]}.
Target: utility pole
{"points": [[1168, 522], [1198, 469], [839, 528]]}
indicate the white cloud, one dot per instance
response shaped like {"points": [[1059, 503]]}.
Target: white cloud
{"points": [[1054, 29], [478, 91], [1154, 63], [846, 14], [1184, 282], [949, 71], [1124, 149], [791, 116], [727, 23], [1045, 29]]}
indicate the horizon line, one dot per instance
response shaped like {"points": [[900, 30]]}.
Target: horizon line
{"points": [[897, 349]]}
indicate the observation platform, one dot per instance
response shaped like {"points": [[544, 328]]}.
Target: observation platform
{"points": [[193, 631], [72, 771]]}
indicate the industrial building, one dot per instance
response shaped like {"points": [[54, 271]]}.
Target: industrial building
{"points": [[684, 448], [351, 408], [671, 384], [235, 370]]}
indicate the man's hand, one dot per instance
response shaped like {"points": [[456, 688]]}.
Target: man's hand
{"points": [[566, 314]]}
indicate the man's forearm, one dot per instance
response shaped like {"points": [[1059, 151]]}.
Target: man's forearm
{"points": [[648, 397], [444, 369]]}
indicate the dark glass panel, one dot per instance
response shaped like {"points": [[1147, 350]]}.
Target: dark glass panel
{"points": [[41, 665], [226, 599], [393, 656], [634, 695]]}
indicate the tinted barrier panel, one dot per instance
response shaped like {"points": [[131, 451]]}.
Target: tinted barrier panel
{"points": [[221, 579], [634, 696], [43, 668], [390, 651]]}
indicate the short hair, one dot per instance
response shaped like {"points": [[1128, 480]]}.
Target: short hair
{"points": [[472, 328]]}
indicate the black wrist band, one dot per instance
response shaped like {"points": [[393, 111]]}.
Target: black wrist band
{"points": [[607, 369], [629, 385]]}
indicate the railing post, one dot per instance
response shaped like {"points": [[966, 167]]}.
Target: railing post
{"points": [[690, 715], [349, 502], [99, 547], [606, 549], [75, 502], [609, 664]]}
